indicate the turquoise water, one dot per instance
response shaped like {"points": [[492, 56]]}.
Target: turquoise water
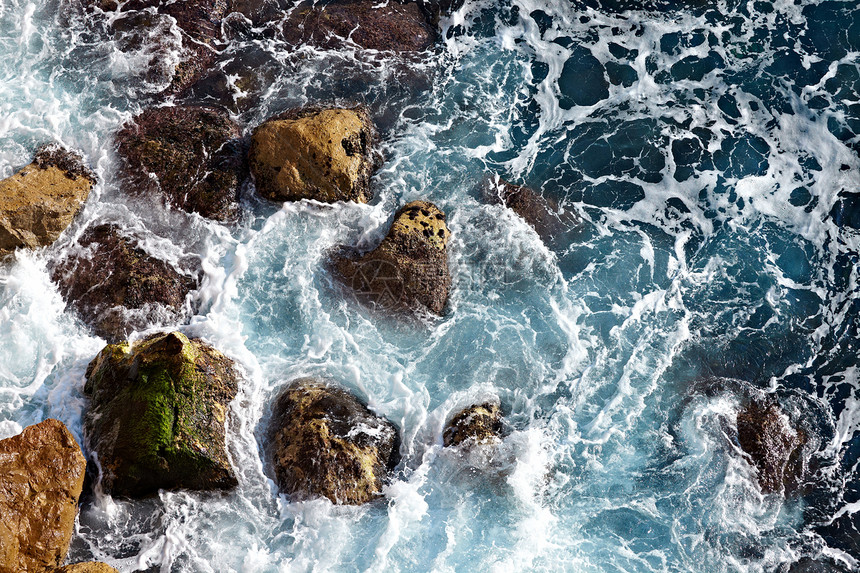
{"points": [[712, 155]]}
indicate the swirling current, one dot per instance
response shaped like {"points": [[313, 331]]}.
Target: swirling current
{"points": [[709, 151]]}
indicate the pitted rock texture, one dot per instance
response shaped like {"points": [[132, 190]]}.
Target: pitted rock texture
{"points": [[42, 199], [157, 415], [323, 442], [315, 153], [477, 424], [409, 269], [117, 288], [88, 567], [191, 155], [41, 477], [773, 445]]}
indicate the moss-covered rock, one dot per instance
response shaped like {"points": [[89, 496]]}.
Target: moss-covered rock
{"points": [[323, 442], [391, 26], [191, 155], [773, 445], [544, 215], [157, 415], [477, 424], [117, 288], [40, 201], [41, 476], [88, 567], [409, 269], [315, 153]]}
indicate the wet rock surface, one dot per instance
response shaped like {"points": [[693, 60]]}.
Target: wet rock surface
{"points": [[118, 288], [773, 445], [88, 567], [42, 199], [477, 424], [325, 154], [157, 415], [191, 155], [544, 215], [409, 269], [323, 442], [391, 26], [41, 477]]}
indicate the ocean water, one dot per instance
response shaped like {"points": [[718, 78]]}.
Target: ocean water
{"points": [[710, 151]]}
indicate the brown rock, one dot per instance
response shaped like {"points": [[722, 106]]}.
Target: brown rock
{"points": [[325, 443], [191, 155], [477, 424], [542, 214], [88, 567], [117, 288], [409, 269], [773, 445], [158, 413], [41, 477], [40, 201], [315, 153], [392, 26]]}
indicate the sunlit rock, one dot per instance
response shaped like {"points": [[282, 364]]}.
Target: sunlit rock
{"points": [[477, 424]]}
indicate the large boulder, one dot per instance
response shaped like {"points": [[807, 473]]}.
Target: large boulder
{"points": [[315, 153], [544, 215], [157, 415], [191, 155], [41, 477], [88, 567], [409, 269], [323, 442], [477, 424], [773, 445], [386, 26], [117, 288], [39, 202]]}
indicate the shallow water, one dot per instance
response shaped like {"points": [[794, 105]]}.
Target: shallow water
{"points": [[711, 153]]}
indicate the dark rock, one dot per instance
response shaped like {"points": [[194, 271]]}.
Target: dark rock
{"points": [[324, 442], [315, 153], [41, 476], [409, 269], [477, 424], [773, 445], [117, 288], [191, 155], [392, 26], [544, 215], [41, 200], [157, 415]]}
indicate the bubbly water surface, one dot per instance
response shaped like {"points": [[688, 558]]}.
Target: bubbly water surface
{"points": [[711, 152]]}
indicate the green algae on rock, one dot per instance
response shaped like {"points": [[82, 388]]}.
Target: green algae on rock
{"points": [[157, 415], [409, 269], [315, 153], [477, 424], [323, 442]]}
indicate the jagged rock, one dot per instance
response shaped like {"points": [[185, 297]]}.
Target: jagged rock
{"points": [[88, 567], [773, 445], [315, 153], [392, 26], [324, 442], [477, 424], [40, 201], [190, 154], [157, 415], [542, 214], [409, 269], [117, 288], [41, 476]]}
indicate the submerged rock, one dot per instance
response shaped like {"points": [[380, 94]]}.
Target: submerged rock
{"points": [[386, 26], [157, 415], [774, 446], [189, 154], [41, 477], [409, 269], [88, 567], [477, 424], [542, 214], [117, 288], [324, 442], [40, 201], [315, 153]]}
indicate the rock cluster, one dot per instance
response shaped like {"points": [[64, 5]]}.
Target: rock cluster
{"points": [[323, 442], [40, 201], [157, 415]]}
